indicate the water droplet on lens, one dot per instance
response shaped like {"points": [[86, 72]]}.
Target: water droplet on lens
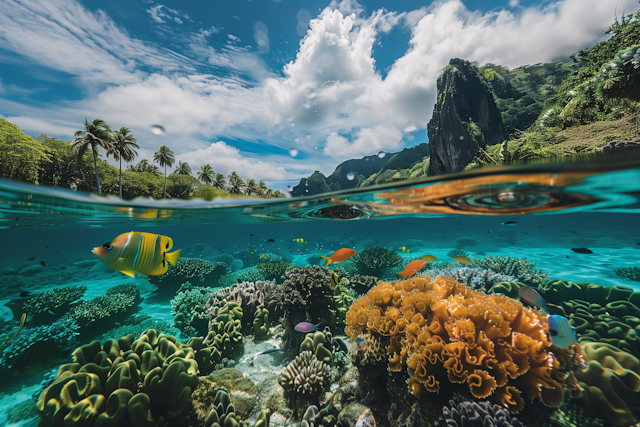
{"points": [[351, 176], [293, 152], [157, 129], [461, 137], [382, 154], [507, 197]]}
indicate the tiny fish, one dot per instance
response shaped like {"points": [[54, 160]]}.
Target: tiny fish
{"points": [[59, 252], [271, 240], [582, 250], [359, 340], [510, 223], [334, 280], [562, 334], [23, 319], [250, 250], [51, 312], [299, 240], [461, 259], [412, 268], [272, 350], [44, 264], [306, 327], [339, 255], [64, 268], [239, 280], [25, 294], [264, 256], [137, 252], [402, 248], [429, 258], [33, 257], [532, 297]]}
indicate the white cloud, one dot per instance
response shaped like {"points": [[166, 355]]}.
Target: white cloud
{"points": [[514, 3], [233, 38], [39, 127], [367, 141], [161, 12], [224, 159]]}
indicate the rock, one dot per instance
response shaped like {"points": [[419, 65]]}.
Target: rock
{"points": [[464, 118], [356, 414], [621, 144], [9, 272], [31, 270], [277, 404]]}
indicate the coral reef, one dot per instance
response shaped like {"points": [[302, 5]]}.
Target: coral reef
{"points": [[574, 416], [188, 307], [477, 414], [454, 253], [250, 274], [520, 268], [317, 418], [225, 331], [474, 277], [316, 343], [41, 347], [343, 300], [223, 413], [611, 383], [632, 273], [193, 270], [446, 333], [146, 382], [37, 307], [261, 322], [375, 261], [304, 380], [304, 296], [273, 270]]}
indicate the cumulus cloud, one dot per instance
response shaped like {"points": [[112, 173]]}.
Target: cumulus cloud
{"points": [[366, 141], [39, 127], [224, 159]]}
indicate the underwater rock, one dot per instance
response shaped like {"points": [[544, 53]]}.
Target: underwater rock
{"points": [[31, 270], [9, 272], [465, 118], [356, 414]]}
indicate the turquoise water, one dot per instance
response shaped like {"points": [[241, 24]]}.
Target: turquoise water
{"points": [[536, 213]]}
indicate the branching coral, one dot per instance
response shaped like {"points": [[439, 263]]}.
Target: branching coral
{"points": [[249, 295], [125, 382], [273, 270], [194, 270], [39, 348], [444, 331], [520, 268], [342, 300], [250, 274], [375, 260], [304, 380], [188, 308], [476, 278], [56, 299], [477, 414], [453, 253], [632, 273]]}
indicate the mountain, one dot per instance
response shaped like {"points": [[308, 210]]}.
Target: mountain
{"points": [[465, 118]]}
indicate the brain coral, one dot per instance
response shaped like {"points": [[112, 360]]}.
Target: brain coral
{"points": [[444, 331]]}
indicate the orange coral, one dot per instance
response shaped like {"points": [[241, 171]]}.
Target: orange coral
{"points": [[443, 330]]}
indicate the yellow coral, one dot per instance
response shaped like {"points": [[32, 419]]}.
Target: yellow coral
{"points": [[443, 330]]}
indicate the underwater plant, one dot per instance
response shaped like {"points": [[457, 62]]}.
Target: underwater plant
{"points": [[520, 268]]}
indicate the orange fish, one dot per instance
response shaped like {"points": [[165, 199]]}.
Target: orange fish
{"points": [[412, 268], [138, 252], [339, 255]]}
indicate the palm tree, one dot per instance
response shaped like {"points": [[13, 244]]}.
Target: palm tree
{"points": [[218, 181], [263, 189], [183, 168], [236, 184], [269, 194], [206, 174], [95, 134], [164, 156], [252, 188], [123, 147]]}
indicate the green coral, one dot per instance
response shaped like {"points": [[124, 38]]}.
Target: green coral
{"points": [[375, 260], [98, 314], [194, 270], [632, 273], [187, 307], [222, 413], [343, 300], [39, 348], [53, 299], [144, 382], [573, 416], [225, 330], [273, 270], [519, 267], [315, 343], [251, 274], [261, 322]]}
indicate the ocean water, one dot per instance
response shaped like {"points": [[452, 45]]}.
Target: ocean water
{"points": [[577, 222]]}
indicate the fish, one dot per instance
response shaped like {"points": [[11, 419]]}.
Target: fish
{"points": [[239, 280], [562, 334], [23, 319], [264, 256], [51, 312], [306, 327], [461, 259], [59, 252], [334, 280], [339, 255], [532, 297], [44, 264], [429, 258], [33, 257], [402, 248], [582, 250], [412, 268], [138, 252], [299, 240], [270, 240], [510, 223], [64, 268], [359, 340], [272, 350], [25, 294], [250, 250]]}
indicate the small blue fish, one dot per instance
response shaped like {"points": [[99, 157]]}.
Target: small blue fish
{"points": [[272, 350], [306, 327], [359, 340], [562, 334], [51, 312]]}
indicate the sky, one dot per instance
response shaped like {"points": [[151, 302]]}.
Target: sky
{"points": [[272, 89]]}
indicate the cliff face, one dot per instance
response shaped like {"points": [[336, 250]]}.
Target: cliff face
{"points": [[465, 118]]}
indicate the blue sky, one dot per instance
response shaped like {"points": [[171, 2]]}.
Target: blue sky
{"points": [[243, 85]]}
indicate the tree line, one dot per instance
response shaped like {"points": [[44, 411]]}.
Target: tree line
{"points": [[77, 164]]}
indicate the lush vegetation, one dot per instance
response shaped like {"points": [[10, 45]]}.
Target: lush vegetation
{"points": [[77, 164]]}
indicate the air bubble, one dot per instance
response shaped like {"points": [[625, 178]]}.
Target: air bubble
{"points": [[382, 154], [157, 129], [293, 152], [351, 176], [461, 137]]}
